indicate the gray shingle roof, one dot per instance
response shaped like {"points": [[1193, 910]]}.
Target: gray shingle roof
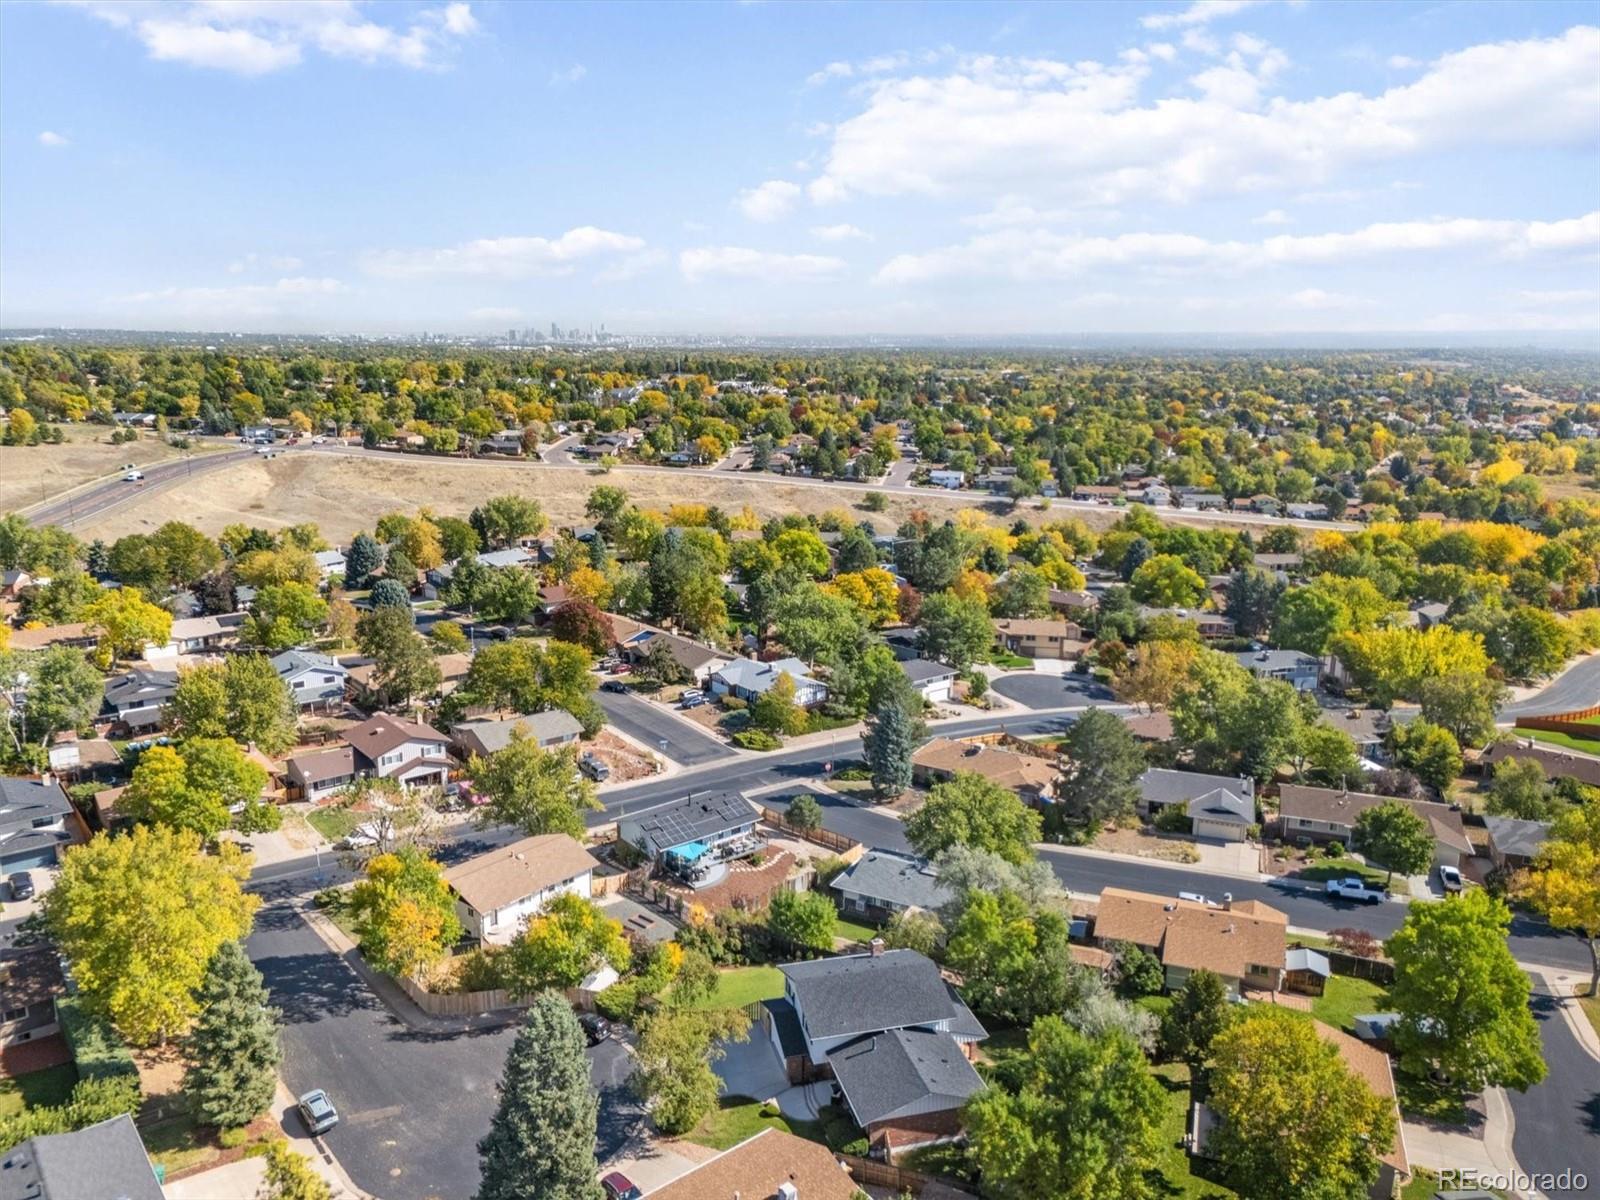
{"points": [[103, 1162], [889, 1074], [866, 993], [1511, 835], [920, 670], [695, 818], [1161, 786], [894, 879], [542, 727], [1222, 804], [23, 801]]}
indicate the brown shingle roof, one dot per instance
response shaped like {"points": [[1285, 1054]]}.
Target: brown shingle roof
{"points": [[1007, 768], [1190, 935], [325, 764], [1371, 1066], [48, 635], [382, 733], [1557, 763], [756, 1167], [522, 869], [1342, 808]]}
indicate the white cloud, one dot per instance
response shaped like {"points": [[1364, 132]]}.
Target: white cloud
{"points": [[839, 233], [1403, 62], [51, 138], [571, 75], [271, 262], [1082, 130], [631, 267], [502, 258], [769, 201], [257, 37], [1200, 12], [1273, 216], [1561, 298], [704, 262], [834, 70], [1024, 254], [284, 298]]}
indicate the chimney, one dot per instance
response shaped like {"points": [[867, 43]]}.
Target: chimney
{"points": [[788, 1191], [876, 947], [47, 778], [1227, 901]]}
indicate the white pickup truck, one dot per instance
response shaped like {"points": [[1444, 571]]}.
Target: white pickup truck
{"points": [[1352, 888]]}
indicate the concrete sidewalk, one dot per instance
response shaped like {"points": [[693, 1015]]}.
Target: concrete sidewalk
{"points": [[1561, 985], [1091, 852]]}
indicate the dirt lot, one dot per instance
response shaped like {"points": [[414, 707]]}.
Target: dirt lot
{"points": [[345, 495], [29, 474], [1146, 845], [626, 761]]}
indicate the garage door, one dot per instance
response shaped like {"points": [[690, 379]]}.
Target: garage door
{"points": [[24, 862]]}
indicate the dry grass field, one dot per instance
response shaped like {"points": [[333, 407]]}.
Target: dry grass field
{"points": [[345, 495], [29, 474]]}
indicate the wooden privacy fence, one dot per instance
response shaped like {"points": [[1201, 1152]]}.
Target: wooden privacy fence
{"points": [[1572, 724], [826, 838], [899, 1179]]}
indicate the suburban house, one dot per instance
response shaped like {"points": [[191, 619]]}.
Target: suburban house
{"points": [[771, 1164], [893, 1034], [497, 892], [904, 641], [954, 480], [1201, 501], [312, 679], [30, 983], [330, 563], [1209, 624], [36, 822], [1294, 667], [382, 747], [436, 580], [692, 827], [1557, 763], [100, 1162], [1283, 563], [197, 635], [1329, 815], [634, 639], [1244, 942], [1314, 511], [548, 730], [1040, 638], [1513, 842], [77, 635], [1097, 493], [1372, 1067], [1029, 772], [749, 679], [1219, 806], [883, 882], [1072, 602], [137, 696], [933, 681]]}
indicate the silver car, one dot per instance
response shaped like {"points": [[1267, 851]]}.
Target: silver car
{"points": [[318, 1112]]}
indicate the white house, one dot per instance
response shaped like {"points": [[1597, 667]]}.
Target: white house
{"points": [[747, 679], [948, 479], [934, 681], [196, 635], [497, 892], [311, 678], [330, 562]]}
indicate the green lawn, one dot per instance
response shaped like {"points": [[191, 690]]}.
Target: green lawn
{"points": [[744, 985], [36, 1089], [1176, 1167], [1424, 1183], [1006, 660], [739, 1118], [1582, 745], [1339, 868], [1345, 998], [854, 930], [333, 821]]}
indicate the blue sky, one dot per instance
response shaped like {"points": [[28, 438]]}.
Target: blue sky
{"points": [[799, 168]]}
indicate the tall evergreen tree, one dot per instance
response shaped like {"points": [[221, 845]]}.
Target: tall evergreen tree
{"points": [[233, 1047], [363, 558], [541, 1141], [890, 741]]}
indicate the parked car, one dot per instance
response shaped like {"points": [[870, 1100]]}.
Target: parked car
{"points": [[691, 702], [594, 768], [618, 1186], [613, 685], [622, 668], [1352, 888], [595, 1027], [133, 477], [692, 694], [21, 886], [1449, 878], [355, 841], [318, 1112]]}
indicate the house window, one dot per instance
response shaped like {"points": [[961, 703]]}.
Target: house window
{"points": [[15, 1014], [1257, 969], [44, 822]]}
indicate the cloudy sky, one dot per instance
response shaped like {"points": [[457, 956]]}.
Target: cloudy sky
{"points": [[1224, 165]]}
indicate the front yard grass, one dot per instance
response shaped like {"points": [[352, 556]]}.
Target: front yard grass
{"points": [[333, 821], [1589, 1004], [1340, 868], [1429, 1101], [854, 930], [37, 1089], [744, 985], [1008, 661], [1567, 741], [739, 1117], [1347, 997], [1176, 1167]]}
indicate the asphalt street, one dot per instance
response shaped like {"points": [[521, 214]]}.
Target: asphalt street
{"points": [[648, 725], [117, 492], [1578, 687], [1052, 691], [866, 825], [412, 1104], [1558, 1120]]}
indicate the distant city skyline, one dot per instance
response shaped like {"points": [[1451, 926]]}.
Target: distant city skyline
{"points": [[1205, 169]]}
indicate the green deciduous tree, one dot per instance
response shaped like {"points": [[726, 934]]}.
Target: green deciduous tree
{"points": [[290, 1176], [232, 1049], [403, 663], [1104, 763], [1294, 1120], [804, 812], [1200, 1011], [1166, 581], [565, 942], [501, 520], [971, 811], [194, 786], [1462, 998], [1564, 883], [674, 1074], [1463, 703], [541, 1139], [1395, 837], [1519, 789], [62, 690], [405, 914], [804, 918], [140, 918], [955, 630], [538, 791], [1084, 1123], [284, 615], [1428, 751], [776, 709]]}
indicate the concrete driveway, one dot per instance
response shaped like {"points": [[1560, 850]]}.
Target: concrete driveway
{"points": [[1033, 689], [752, 1067]]}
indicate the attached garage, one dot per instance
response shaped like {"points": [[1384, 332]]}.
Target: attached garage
{"points": [[36, 821], [27, 860]]}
